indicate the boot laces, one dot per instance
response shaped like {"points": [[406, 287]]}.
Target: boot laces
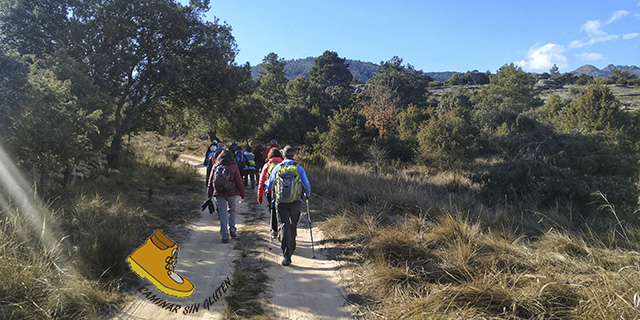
{"points": [[171, 261]]}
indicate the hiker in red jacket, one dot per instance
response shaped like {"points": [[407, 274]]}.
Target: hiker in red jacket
{"points": [[275, 157], [273, 144], [225, 184]]}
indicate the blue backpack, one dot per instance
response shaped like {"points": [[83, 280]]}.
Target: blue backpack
{"points": [[239, 157], [209, 159]]}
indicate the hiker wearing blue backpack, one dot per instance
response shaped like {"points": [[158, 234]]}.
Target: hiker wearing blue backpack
{"points": [[221, 147], [212, 147], [250, 161], [288, 184], [225, 185], [238, 155], [210, 158]]}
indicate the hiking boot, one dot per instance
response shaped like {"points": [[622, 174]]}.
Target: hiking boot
{"points": [[155, 261], [274, 234], [286, 261], [233, 234], [225, 240]]}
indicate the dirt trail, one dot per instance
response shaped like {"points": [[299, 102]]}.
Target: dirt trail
{"points": [[308, 289]]}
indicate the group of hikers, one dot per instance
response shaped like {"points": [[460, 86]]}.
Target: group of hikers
{"points": [[282, 183]]}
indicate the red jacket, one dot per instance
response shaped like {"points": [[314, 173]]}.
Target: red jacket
{"points": [[236, 178], [259, 150], [263, 177], [266, 152]]}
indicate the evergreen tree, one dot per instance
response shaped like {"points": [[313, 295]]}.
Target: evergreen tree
{"points": [[410, 86], [345, 138], [509, 93], [596, 110], [272, 83], [446, 141], [330, 70]]}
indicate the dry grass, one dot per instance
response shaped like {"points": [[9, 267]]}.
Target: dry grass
{"points": [[78, 271], [414, 248]]}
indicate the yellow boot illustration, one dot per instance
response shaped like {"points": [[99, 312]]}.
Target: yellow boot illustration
{"points": [[155, 261]]}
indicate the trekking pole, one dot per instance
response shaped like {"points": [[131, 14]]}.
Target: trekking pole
{"points": [[313, 250]]}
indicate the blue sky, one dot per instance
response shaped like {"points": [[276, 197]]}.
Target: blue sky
{"points": [[439, 35]]}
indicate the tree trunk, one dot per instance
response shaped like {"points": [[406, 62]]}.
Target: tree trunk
{"points": [[68, 175], [113, 158]]}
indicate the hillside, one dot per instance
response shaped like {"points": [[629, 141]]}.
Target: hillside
{"points": [[363, 71]]}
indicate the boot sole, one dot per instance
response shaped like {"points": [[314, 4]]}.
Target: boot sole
{"points": [[139, 270]]}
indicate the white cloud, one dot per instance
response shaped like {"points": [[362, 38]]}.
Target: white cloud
{"points": [[593, 28], [596, 34], [594, 40], [589, 56], [577, 44], [617, 15], [544, 57]]}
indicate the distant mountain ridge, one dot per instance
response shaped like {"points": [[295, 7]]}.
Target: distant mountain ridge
{"points": [[363, 71], [606, 71]]}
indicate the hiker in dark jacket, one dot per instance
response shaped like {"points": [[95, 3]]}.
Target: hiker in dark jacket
{"points": [[234, 146], [288, 209], [259, 152], [226, 199]]}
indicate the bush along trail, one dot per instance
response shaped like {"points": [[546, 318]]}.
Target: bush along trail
{"points": [[236, 280]]}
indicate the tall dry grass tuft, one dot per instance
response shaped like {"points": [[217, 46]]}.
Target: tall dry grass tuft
{"points": [[40, 282], [418, 245]]}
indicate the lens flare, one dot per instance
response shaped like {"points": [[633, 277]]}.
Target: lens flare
{"points": [[18, 192]]}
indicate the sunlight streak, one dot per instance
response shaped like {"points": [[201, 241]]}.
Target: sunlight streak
{"points": [[19, 192]]}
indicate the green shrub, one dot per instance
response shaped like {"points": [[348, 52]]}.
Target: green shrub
{"points": [[635, 82], [435, 84], [345, 139], [446, 142], [597, 109], [562, 168]]}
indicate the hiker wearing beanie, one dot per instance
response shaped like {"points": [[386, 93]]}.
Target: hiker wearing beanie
{"points": [[274, 158], [272, 144], [288, 184], [225, 185], [212, 147], [221, 147]]}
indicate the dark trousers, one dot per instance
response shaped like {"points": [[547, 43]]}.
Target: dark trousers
{"points": [[288, 216], [273, 212]]}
